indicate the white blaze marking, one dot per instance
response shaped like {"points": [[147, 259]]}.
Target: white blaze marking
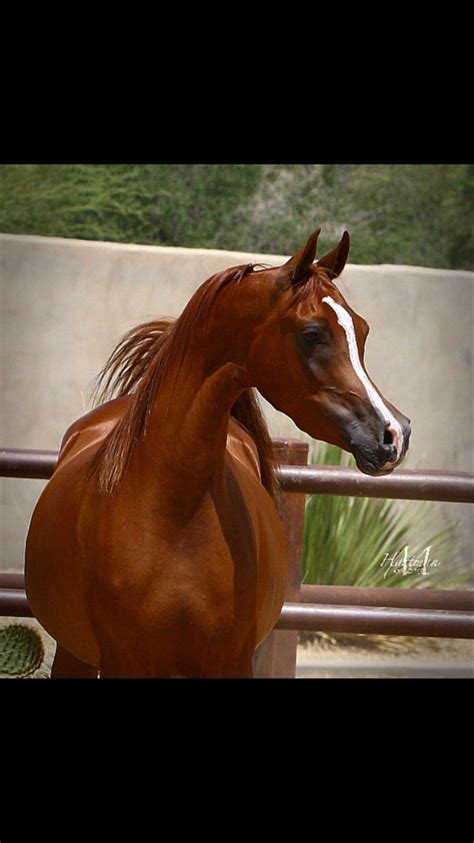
{"points": [[345, 320]]}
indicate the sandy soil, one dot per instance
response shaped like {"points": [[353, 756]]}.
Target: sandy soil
{"points": [[323, 656]]}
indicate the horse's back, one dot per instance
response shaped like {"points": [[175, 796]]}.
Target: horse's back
{"points": [[90, 430]]}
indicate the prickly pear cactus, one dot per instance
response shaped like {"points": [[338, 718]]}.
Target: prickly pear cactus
{"points": [[21, 650]]}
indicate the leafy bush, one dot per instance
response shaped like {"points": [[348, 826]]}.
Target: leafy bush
{"points": [[396, 213], [346, 538]]}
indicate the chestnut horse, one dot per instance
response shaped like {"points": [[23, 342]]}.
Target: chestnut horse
{"points": [[156, 550]]}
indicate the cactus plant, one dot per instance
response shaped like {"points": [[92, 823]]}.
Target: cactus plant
{"points": [[21, 650]]}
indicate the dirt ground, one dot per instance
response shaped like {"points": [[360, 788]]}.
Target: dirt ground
{"points": [[323, 656]]}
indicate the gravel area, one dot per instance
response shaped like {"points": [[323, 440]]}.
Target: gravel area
{"points": [[323, 656]]}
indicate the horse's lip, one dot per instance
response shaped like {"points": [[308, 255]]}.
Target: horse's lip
{"points": [[372, 470], [366, 466]]}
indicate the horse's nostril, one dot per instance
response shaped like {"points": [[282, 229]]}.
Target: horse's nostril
{"points": [[387, 437]]}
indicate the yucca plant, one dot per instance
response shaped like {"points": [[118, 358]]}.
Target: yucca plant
{"points": [[347, 539]]}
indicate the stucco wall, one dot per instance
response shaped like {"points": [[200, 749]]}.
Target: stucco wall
{"points": [[65, 303]]}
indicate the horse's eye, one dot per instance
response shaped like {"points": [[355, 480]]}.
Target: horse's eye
{"points": [[313, 337]]}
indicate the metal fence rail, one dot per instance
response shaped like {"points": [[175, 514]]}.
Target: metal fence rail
{"points": [[450, 486], [347, 595], [376, 620], [403, 598], [27, 463], [439, 623]]}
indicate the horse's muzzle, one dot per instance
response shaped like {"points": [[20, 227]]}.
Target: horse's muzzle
{"points": [[380, 458]]}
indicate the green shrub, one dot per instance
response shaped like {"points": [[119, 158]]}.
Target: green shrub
{"points": [[419, 214], [346, 539]]}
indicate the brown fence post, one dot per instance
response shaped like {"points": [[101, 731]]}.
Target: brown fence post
{"points": [[276, 656]]}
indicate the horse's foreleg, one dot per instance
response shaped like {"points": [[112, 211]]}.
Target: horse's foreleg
{"points": [[66, 666]]}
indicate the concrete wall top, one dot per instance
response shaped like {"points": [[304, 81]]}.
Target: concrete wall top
{"points": [[240, 257]]}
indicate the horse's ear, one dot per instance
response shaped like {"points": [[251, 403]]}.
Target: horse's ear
{"points": [[336, 259], [292, 272]]}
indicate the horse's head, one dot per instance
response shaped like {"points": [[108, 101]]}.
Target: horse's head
{"points": [[307, 359]]}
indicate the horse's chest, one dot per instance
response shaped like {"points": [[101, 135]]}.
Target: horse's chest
{"points": [[224, 568], [231, 565]]}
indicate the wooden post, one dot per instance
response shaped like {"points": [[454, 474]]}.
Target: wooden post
{"points": [[276, 657]]}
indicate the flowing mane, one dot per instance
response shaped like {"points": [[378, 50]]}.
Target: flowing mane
{"points": [[137, 367]]}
